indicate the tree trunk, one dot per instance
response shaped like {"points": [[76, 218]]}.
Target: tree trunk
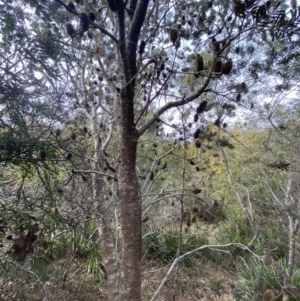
{"points": [[129, 199], [108, 250]]}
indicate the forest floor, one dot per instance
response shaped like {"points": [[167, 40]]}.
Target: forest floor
{"points": [[69, 281]]}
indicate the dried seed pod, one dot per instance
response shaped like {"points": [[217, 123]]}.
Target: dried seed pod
{"points": [[199, 64], [42, 154], [85, 129], [60, 190], [269, 295], [97, 49], [71, 6], [196, 190], [192, 162], [196, 117], [70, 30], [145, 219], [57, 132], [215, 45], [260, 284], [142, 47], [197, 168], [218, 66], [173, 35], [151, 177], [84, 22], [201, 107], [227, 67], [112, 5], [55, 210], [92, 17], [197, 143], [268, 259], [154, 145], [69, 156], [237, 50], [197, 133], [194, 219], [294, 4], [238, 97]]}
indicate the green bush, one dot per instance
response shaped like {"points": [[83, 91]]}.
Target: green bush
{"points": [[237, 231], [247, 288], [87, 250], [164, 246]]}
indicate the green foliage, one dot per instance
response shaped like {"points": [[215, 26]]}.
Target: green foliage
{"points": [[164, 246], [247, 287], [235, 229], [39, 266], [34, 101], [79, 247], [94, 263]]}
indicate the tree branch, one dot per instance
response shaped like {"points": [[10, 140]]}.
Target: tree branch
{"points": [[173, 104], [103, 30], [74, 12], [134, 32], [178, 259]]}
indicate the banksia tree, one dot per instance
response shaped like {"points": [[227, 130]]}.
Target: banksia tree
{"points": [[123, 83]]}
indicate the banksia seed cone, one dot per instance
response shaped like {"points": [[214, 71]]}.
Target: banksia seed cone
{"points": [[97, 49], [197, 143], [70, 30], [227, 67]]}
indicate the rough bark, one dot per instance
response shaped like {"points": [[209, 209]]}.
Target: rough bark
{"points": [[129, 199], [108, 251], [128, 187]]}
